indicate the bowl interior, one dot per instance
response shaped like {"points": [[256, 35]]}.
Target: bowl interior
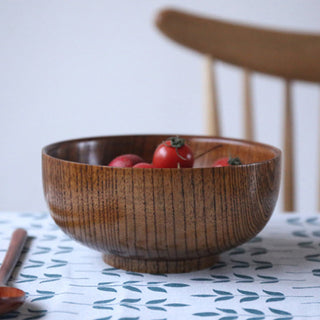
{"points": [[101, 150]]}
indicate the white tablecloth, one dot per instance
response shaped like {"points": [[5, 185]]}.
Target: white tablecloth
{"points": [[274, 276]]}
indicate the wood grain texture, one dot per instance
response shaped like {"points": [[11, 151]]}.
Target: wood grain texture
{"points": [[160, 220], [11, 258], [11, 298], [290, 55]]}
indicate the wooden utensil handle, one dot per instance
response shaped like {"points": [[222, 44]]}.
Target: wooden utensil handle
{"points": [[17, 242]]}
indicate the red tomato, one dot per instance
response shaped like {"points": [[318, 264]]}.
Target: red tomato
{"points": [[226, 162], [143, 165], [125, 161], [173, 153]]}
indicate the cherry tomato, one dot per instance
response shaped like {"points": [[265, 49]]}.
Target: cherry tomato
{"points": [[173, 153], [226, 162], [143, 165], [125, 161]]}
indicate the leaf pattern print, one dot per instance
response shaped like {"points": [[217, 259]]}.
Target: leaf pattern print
{"points": [[43, 295], [249, 296], [276, 296], [223, 295], [273, 276]]}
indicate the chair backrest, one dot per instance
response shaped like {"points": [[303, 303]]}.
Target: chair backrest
{"points": [[289, 55]]}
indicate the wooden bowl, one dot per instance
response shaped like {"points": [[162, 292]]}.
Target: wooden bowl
{"points": [[160, 220]]}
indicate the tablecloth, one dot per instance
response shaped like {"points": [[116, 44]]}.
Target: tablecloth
{"points": [[276, 275]]}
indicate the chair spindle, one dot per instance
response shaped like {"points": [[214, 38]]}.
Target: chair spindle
{"points": [[289, 183], [247, 105], [211, 100]]}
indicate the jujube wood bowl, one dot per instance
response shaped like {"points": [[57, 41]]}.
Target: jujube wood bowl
{"points": [[160, 220]]}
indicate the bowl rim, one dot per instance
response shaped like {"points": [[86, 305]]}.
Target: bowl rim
{"points": [[47, 148]]}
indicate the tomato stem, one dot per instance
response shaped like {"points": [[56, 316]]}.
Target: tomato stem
{"points": [[207, 151], [234, 161], [176, 142]]}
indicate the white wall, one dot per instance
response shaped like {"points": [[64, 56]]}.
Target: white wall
{"points": [[80, 68]]}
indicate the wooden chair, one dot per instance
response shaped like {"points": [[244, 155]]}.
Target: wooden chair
{"points": [[291, 56]]}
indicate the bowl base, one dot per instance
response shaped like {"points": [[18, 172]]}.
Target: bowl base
{"points": [[160, 266]]}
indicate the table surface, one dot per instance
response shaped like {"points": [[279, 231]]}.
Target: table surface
{"points": [[276, 275]]}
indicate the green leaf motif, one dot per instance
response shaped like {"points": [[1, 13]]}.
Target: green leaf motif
{"points": [[10, 315], [237, 251], [240, 264], [203, 295], [36, 264], [274, 293], [157, 289], [280, 312], [110, 274], [220, 278], [300, 233], [176, 305], [156, 301], [103, 304], [255, 240], [275, 299], [128, 306], [313, 257], [316, 272], [248, 293], [259, 251], [134, 274], [254, 311], [223, 298], [104, 301], [131, 288], [263, 264], [316, 233], [108, 289], [205, 314], [156, 308], [42, 250], [130, 300], [250, 296], [35, 317], [110, 269], [294, 221], [201, 279], [28, 278], [58, 263], [64, 250], [102, 307], [45, 292], [48, 237], [222, 292], [45, 297], [227, 310], [248, 299], [306, 244], [51, 277], [268, 279], [176, 285], [313, 221], [218, 265]]}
